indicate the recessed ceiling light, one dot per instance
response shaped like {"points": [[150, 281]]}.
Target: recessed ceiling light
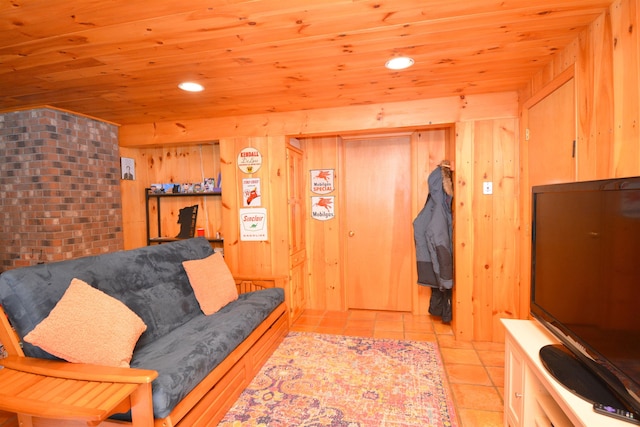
{"points": [[399, 63], [191, 87]]}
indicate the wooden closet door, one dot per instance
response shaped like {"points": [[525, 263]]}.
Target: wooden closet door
{"points": [[551, 136], [297, 233], [378, 225]]}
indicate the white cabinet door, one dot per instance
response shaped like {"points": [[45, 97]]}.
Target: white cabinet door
{"points": [[514, 386]]}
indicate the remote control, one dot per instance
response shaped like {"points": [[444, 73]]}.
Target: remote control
{"points": [[621, 414]]}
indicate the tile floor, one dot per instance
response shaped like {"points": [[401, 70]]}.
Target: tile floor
{"points": [[475, 369]]}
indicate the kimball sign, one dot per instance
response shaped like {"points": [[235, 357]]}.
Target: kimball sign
{"points": [[249, 160]]}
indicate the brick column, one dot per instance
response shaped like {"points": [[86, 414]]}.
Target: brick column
{"points": [[59, 187]]}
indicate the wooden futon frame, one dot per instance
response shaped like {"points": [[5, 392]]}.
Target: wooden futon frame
{"points": [[56, 393]]}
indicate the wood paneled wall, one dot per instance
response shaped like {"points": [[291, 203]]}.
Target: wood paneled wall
{"points": [[247, 257], [482, 136], [606, 61], [486, 228], [326, 290]]}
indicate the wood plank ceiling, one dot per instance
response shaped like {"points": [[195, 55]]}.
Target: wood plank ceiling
{"points": [[121, 60]]}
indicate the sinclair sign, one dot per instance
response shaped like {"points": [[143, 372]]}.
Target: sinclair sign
{"points": [[253, 224]]}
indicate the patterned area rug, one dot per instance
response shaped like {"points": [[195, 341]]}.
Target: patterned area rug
{"points": [[330, 380]]}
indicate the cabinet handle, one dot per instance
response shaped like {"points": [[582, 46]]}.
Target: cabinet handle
{"points": [[518, 395]]}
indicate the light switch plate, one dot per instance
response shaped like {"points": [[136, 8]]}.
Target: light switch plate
{"points": [[487, 187]]}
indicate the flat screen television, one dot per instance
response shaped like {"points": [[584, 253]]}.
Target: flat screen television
{"points": [[585, 286]]}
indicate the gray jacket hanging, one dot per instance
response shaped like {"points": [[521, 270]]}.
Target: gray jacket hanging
{"points": [[433, 232]]}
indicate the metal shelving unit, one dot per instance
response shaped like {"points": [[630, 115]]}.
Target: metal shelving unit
{"points": [[149, 195]]}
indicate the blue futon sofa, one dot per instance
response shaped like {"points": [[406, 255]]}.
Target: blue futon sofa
{"points": [[203, 361]]}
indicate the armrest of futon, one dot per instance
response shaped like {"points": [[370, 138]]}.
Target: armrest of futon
{"points": [[255, 283], [78, 371], [61, 390]]}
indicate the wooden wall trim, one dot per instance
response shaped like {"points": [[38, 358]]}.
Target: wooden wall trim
{"points": [[61, 110], [325, 121], [550, 87]]}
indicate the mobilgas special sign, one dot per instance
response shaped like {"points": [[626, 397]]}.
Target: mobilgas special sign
{"points": [[322, 181]]}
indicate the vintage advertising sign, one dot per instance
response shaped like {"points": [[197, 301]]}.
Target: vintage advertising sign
{"points": [[251, 193], [249, 160], [323, 208], [253, 224], [322, 181]]}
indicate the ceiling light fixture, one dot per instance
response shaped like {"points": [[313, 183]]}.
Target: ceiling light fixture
{"points": [[191, 87], [399, 63]]}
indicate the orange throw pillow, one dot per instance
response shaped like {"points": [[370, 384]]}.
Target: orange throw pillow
{"points": [[89, 326], [212, 282]]}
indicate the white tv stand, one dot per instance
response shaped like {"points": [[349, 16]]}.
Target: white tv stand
{"points": [[532, 397]]}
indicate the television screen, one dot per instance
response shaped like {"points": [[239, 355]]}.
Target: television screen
{"points": [[585, 284]]}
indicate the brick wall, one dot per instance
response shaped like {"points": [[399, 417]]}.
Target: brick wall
{"points": [[59, 187]]}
